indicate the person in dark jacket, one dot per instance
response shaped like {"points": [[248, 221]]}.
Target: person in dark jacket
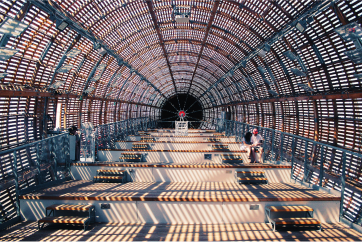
{"points": [[73, 131]]}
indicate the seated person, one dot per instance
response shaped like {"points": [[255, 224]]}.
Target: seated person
{"points": [[256, 141]]}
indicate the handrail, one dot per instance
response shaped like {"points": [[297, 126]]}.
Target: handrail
{"points": [[40, 160], [4, 152], [107, 134]]}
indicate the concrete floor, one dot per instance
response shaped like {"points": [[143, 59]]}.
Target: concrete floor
{"points": [[28, 231]]}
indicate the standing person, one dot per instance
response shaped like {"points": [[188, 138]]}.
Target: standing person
{"points": [[73, 131], [256, 141]]}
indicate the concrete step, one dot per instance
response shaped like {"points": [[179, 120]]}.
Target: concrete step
{"points": [[165, 137], [181, 203], [152, 172], [176, 145], [169, 156]]}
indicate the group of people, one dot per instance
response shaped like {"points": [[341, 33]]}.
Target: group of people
{"points": [[255, 142]]}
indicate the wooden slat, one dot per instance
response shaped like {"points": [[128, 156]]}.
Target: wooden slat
{"points": [[296, 221], [64, 219], [109, 177], [252, 179], [290, 209], [70, 207], [114, 171], [250, 172]]}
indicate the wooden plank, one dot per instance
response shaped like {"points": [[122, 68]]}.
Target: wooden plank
{"points": [[252, 179], [290, 209], [113, 171], [175, 198], [71, 207], [296, 221], [250, 172], [109, 177], [64, 220]]}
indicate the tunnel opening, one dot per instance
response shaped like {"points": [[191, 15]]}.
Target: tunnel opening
{"points": [[176, 104]]}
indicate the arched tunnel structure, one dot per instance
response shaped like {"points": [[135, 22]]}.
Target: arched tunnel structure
{"points": [[291, 66]]}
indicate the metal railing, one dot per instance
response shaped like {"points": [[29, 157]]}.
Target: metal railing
{"points": [[29, 167], [106, 135], [313, 162], [44, 163]]}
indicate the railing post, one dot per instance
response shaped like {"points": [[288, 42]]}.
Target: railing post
{"points": [[294, 145], [115, 137], [305, 162], [281, 147], [321, 167], [96, 140], [343, 184], [37, 162], [54, 158], [15, 171], [264, 143], [237, 125], [228, 128], [272, 148], [65, 151]]}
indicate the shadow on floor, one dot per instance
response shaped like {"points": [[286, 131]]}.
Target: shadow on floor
{"points": [[28, 231]]}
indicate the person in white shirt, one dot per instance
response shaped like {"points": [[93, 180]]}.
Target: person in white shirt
{"points": [[256, 141]]}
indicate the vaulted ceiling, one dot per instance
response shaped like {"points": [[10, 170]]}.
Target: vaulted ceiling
{"points": [[249, 56]]}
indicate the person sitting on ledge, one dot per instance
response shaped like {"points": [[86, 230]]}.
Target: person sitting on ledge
{"points": [[256, 140]]}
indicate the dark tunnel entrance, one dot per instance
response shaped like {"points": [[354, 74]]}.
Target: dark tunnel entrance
{"points": [[171, 109]]}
